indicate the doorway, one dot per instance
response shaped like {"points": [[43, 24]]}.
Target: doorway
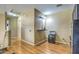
{"points": [[12, 22]]}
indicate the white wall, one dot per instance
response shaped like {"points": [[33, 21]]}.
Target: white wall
{"points": [[2, 27], [3, 41], [60, 22], [28, 25], [19, 27]]}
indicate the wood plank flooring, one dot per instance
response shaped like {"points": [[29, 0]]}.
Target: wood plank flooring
{"points": [[20, 47]]}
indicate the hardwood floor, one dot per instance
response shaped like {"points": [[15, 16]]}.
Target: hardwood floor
{"points": [[46, 47], [14, 47], [20, 47]]}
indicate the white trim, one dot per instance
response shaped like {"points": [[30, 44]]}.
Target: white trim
{"points": [[33, 43], [28, 42], [40, 42], [62, 43], [13, 37]]}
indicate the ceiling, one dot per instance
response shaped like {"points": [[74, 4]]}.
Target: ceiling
{"points": [[44, 8]]}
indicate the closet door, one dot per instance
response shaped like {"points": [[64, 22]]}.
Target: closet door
{"points": [[76, 30], [76, 36]]}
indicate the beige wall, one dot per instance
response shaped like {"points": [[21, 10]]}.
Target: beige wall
{"points": [[2, 26], [28, 25], [60, 22], [3, 41]]}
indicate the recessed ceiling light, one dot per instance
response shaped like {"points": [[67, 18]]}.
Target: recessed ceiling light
{"points": [[47, 13]]}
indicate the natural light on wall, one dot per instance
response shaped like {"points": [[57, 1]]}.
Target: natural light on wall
{"points": [[49, 20], [19, 27]]}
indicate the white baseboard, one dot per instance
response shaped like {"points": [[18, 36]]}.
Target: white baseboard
{"points": [[13, 37], [28, 42], [40, 42], [62, 42], [33, 43]]}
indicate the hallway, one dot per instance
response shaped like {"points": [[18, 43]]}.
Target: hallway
{"points": [[28, 24]]}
